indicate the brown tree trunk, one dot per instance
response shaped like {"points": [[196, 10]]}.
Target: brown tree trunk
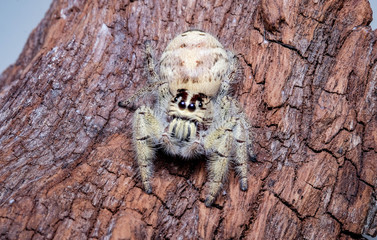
{"points": [[310, 90]]}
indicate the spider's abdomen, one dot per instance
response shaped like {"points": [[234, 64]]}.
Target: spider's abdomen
{"points": [[195, 61]]}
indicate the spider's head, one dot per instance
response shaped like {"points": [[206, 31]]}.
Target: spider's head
{"points": [[190, 106]]}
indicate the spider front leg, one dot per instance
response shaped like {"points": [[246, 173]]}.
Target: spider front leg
{"points": [[219, 143], [146, 128], [241, 140]]}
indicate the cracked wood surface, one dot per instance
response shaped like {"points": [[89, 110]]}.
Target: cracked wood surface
{"points": [[310, 91]]}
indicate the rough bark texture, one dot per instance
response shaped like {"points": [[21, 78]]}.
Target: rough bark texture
{"points": [[310, 90]]}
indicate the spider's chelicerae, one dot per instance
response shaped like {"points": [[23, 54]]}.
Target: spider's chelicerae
{"points": [[192, 112]]}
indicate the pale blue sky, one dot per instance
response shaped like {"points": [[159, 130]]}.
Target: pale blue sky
{"points": [[19, 17]]}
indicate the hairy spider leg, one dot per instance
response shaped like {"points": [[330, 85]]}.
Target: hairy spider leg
{"points": [[219, 143], [146, 128]]}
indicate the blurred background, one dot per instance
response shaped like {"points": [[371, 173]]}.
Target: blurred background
{"points": [[19, 17]]}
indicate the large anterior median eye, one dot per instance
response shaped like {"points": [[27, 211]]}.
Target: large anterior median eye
{"points": [[191, 107], [182, 105]]}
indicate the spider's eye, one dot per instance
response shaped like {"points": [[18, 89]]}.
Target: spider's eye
{"points": [[200, 104], [175, 99], [182, 105], [191, 107]]}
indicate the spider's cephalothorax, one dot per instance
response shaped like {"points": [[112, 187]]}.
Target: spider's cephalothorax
{"points": [[193, 112]]}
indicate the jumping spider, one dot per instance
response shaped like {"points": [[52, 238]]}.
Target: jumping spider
{"points": [[193, 113]]}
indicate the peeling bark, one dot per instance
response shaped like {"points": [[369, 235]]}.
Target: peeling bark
{"points": [[310, 90]]}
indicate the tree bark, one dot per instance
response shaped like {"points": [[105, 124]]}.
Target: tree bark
{"points": [[309, 88]]}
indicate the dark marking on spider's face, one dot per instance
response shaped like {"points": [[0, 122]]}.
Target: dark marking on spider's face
{"points": [[182, 95], [195, 101]]}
